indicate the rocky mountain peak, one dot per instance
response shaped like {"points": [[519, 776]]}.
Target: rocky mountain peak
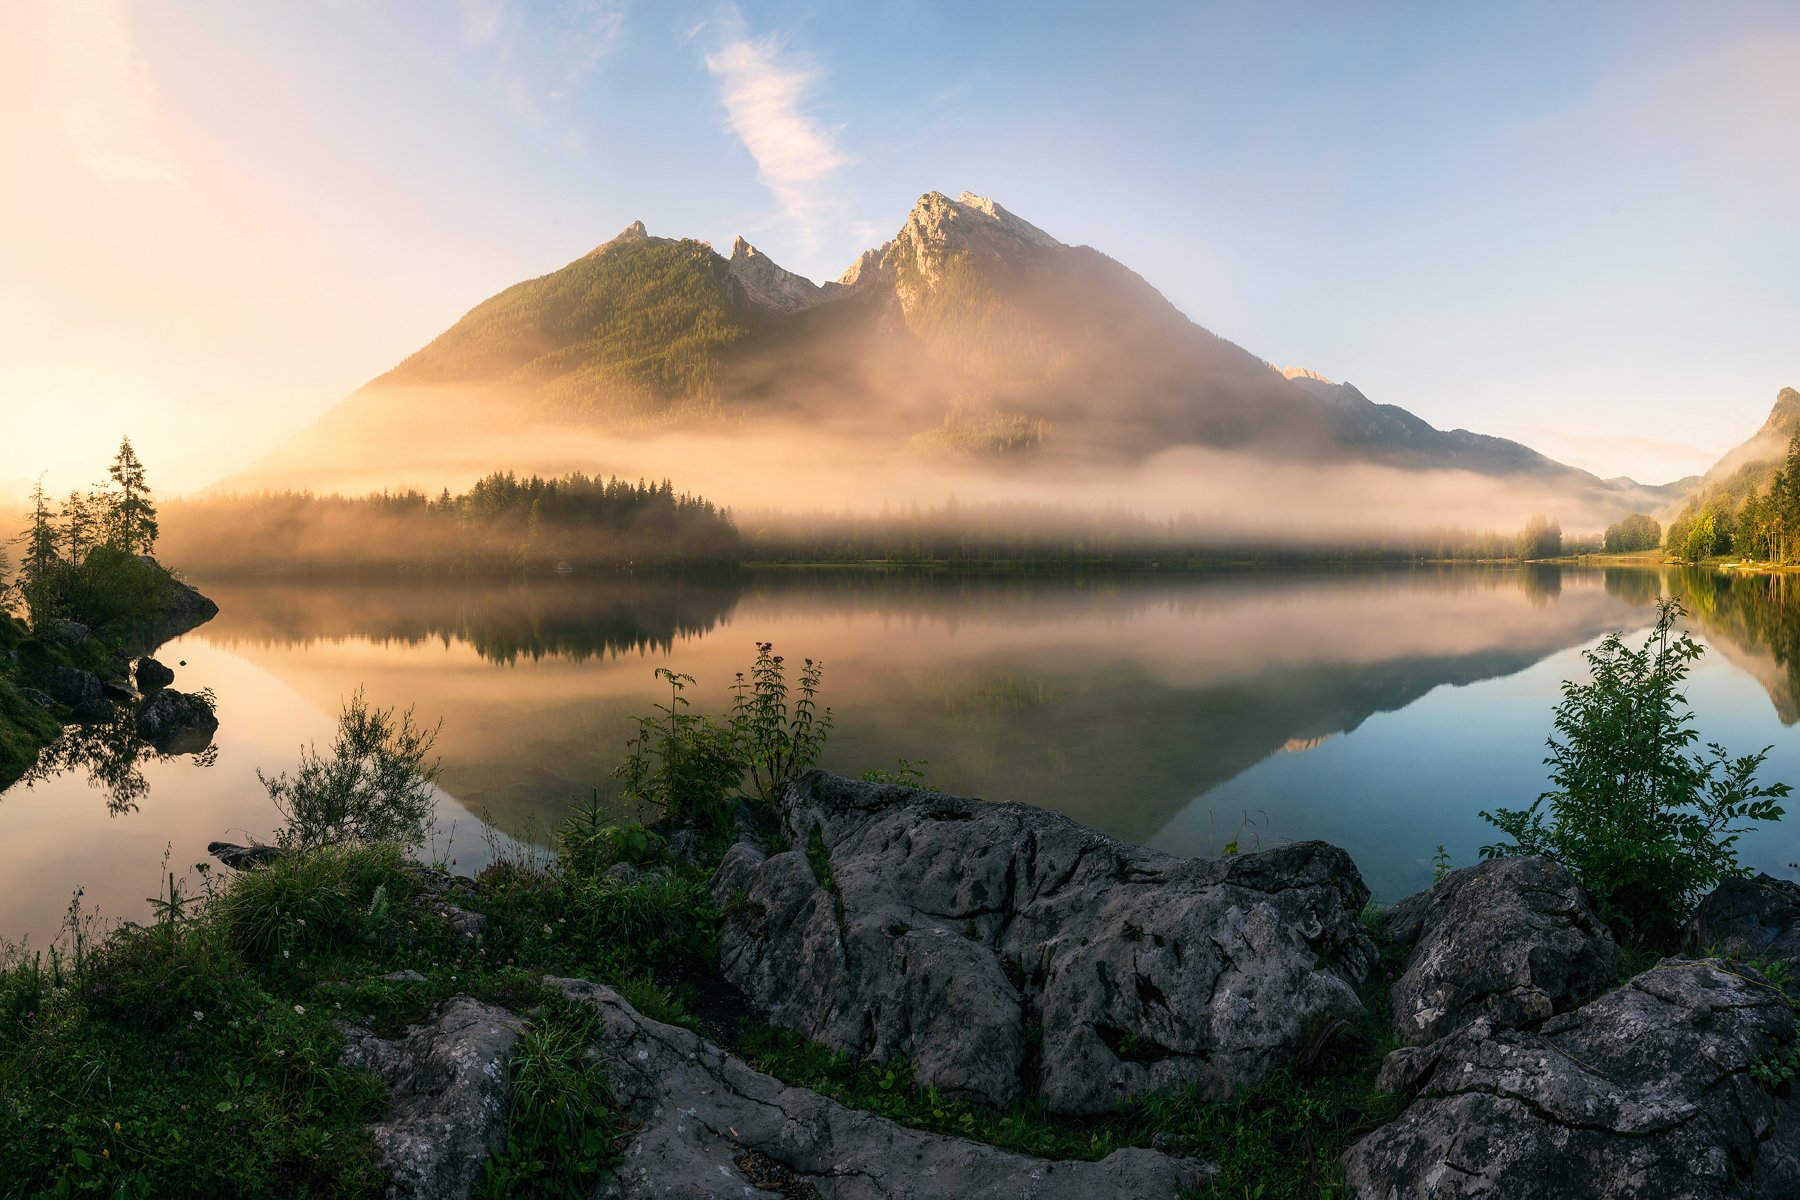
{"points": [[771, 285], [1304, 373], [939, 229]]}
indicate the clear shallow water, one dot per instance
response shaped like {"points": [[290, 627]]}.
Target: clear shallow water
{"points": [[1380, 711]]}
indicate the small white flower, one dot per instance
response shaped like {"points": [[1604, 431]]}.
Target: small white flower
{"points": [[198, 1015], [284, 954], [300, 1008]]}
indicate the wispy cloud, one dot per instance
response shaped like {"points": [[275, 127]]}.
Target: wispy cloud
{"points": [[108, 104], [767, 92]]}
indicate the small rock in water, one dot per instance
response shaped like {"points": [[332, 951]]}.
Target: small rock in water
{"points": [[152, 675]]}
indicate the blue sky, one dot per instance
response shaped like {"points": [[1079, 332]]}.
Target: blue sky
{"points": [[1573, 224]]}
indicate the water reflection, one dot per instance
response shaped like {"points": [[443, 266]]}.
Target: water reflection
{"points": [[1115, 698], [111, 758], [1754, 618], [1378, 709], [502, 620]]}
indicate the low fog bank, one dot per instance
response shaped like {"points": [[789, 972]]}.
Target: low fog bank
{"points": [[788, 480]]}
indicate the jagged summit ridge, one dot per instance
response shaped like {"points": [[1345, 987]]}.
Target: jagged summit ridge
{"points": [[770, 284]]}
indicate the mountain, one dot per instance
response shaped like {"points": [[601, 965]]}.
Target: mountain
{"points": [[1749, 466], [970, 333]]}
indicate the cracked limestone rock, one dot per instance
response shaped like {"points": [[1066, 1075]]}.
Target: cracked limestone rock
{"points": [[1008, 952], [709, 1126], [1646, 1092], [448, 1103], [1748, 918], [1513, 940]]}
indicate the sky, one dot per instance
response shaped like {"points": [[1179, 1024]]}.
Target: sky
{"points": [[1569, 223]]}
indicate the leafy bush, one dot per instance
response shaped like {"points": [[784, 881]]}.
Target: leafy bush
{"points": [[779, 743], [683, 763], [1646, 823], [109, 591], [375, 787], [688, 765]]}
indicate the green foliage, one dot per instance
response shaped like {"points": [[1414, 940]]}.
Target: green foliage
{"points": [[1701, 537], [590, 841], [682, 763], [689, 766], [635, 330], [1636, 532], [562, 1132], [305, 903], [110, 591], [1646, 823], [1775, 1071], [779, 742], [375, 787], [907, 772], [1541, 538], [1440, 863]]}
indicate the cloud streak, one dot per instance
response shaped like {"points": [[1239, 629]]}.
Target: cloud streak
{"points": [[766, 93], [108, 102]]}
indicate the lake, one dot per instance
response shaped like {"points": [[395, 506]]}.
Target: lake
{"points": [[1380, 710]]}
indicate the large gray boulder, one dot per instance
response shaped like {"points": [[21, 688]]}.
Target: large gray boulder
{"points": [[1513, 940], [1748, 918], [908, 925], [709, 1126], [448, 1099], [1647, 1092]]}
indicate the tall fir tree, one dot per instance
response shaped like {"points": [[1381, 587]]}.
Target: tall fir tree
{"points": [[131, 524], [39, 538]]}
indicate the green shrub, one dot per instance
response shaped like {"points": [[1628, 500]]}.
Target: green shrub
{"points": [[376, 787], [312, 901], [1646, 823]]}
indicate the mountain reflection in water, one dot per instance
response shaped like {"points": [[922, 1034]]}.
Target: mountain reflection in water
{"points": [[1155, 707]]}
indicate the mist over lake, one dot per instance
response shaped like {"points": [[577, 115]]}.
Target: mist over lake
{"points": [[1378, 710]]}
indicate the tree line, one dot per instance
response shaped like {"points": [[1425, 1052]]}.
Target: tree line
{"points": [[1743, 517], [502, 523], [79, 558]]}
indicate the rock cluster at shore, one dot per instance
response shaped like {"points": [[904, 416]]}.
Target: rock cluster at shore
{"points": [[945, 929], [902, 924]]}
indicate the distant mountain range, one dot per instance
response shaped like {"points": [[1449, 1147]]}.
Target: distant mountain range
{"points": [[971, 334]]}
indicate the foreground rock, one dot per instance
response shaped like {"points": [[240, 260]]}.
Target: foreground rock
{"points": [[709, 1126], [448, 1097], [1513, 940], [176, 722], [1748, 918], [73, 686], [1646, 1092], [907, 925]]}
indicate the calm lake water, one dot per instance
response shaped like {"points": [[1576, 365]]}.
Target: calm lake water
{"points": [[1377, 710]]}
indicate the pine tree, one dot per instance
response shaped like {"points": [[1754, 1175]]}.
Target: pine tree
{"points": [[132, 520], [39, 538], [80, 521]]}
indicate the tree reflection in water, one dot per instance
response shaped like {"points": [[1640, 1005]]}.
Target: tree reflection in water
{"points": [[113, 756]]}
